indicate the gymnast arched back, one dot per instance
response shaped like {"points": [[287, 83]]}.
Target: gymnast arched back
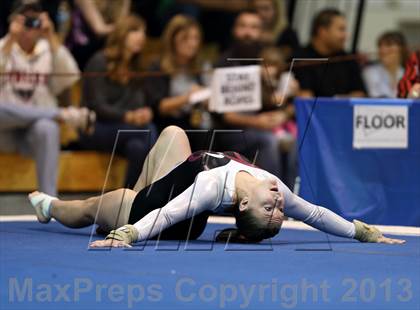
{"points": [[178, 190]]}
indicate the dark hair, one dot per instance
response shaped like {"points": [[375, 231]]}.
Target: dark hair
{"points": [[395, 37], [272, 55], [249, 10], [23, 6], [252, 229], [324, 19]]}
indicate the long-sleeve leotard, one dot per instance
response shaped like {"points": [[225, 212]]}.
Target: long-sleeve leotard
{"points": [[214, 189]]}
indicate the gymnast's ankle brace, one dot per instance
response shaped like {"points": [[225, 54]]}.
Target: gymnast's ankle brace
{"points": [[365, 232], [126, 233]]}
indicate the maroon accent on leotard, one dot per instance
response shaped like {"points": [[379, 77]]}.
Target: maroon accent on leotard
{"points": [[229, 155], [196, 155], [239, 158]]}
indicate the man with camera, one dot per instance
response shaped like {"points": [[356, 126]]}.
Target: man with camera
{"points": [[30, 54]]}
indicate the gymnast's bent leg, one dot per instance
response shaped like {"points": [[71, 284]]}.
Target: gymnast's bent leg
{"points": [[111, 210], [171, 148]]}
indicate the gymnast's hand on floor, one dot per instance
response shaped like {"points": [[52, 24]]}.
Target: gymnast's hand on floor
{"points": [[119, 238], [109, 243], [369, 233], [387, 240]]}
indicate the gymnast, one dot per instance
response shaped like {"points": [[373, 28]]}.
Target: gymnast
{"points": [[178, 190]]}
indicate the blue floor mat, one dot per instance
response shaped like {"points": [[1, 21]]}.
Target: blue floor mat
{"points": [[50, 267]]}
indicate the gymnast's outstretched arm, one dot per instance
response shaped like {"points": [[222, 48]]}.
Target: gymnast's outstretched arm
{"points": [[327, 221], [199, 197]]}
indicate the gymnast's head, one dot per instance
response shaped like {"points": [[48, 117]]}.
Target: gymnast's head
{"points": [[259, 214]]}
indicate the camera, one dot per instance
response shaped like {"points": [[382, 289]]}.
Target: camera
{"points": [[32, 22]]}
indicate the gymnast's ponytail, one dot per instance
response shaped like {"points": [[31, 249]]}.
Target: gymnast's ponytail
{"points": [[232, 235]]}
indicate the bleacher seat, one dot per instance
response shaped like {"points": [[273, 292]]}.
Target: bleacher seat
{"points": [[79, 171]]}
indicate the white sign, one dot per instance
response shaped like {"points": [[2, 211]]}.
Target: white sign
{"points": [[199, 96], [236, 89], [380, 126]]}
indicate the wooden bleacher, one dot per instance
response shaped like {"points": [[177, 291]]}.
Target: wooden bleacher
{"points": [[79, 171]]}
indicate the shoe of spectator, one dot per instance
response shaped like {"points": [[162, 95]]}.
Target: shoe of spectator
{"points": [[79, 118]]}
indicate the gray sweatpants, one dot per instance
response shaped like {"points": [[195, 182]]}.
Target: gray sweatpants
{"points": [[33, 131]]}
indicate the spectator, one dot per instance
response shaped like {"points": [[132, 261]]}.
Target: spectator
{"points": [[246, 32], [120, 100], [277, 78], [29, 53], [339, 75], [276, 30], [409, 86], [382, 78], [278, 88], [92, 21], [181, 67], [257, 137]]}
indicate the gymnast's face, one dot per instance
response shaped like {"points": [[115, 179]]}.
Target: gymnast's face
{"points": [[265, 202]]}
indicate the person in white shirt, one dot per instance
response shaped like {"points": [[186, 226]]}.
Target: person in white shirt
{"points": [[29, 116], [178, 190], [382, 78]]}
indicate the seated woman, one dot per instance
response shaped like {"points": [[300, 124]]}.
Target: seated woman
{"points": [[178, 190], [120, 99], [181, 66]]}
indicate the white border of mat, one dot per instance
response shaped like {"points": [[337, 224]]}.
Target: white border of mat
{"points": [[394, 230], [290, 224]]}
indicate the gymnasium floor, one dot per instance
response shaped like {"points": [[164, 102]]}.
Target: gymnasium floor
{"points": [[50, 267]]}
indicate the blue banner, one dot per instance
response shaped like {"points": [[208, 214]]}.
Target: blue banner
{"points": [[378, 186]]}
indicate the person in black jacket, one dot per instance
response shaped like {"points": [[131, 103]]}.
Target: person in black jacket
{"points": [[120, 100], [336, 73]]}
